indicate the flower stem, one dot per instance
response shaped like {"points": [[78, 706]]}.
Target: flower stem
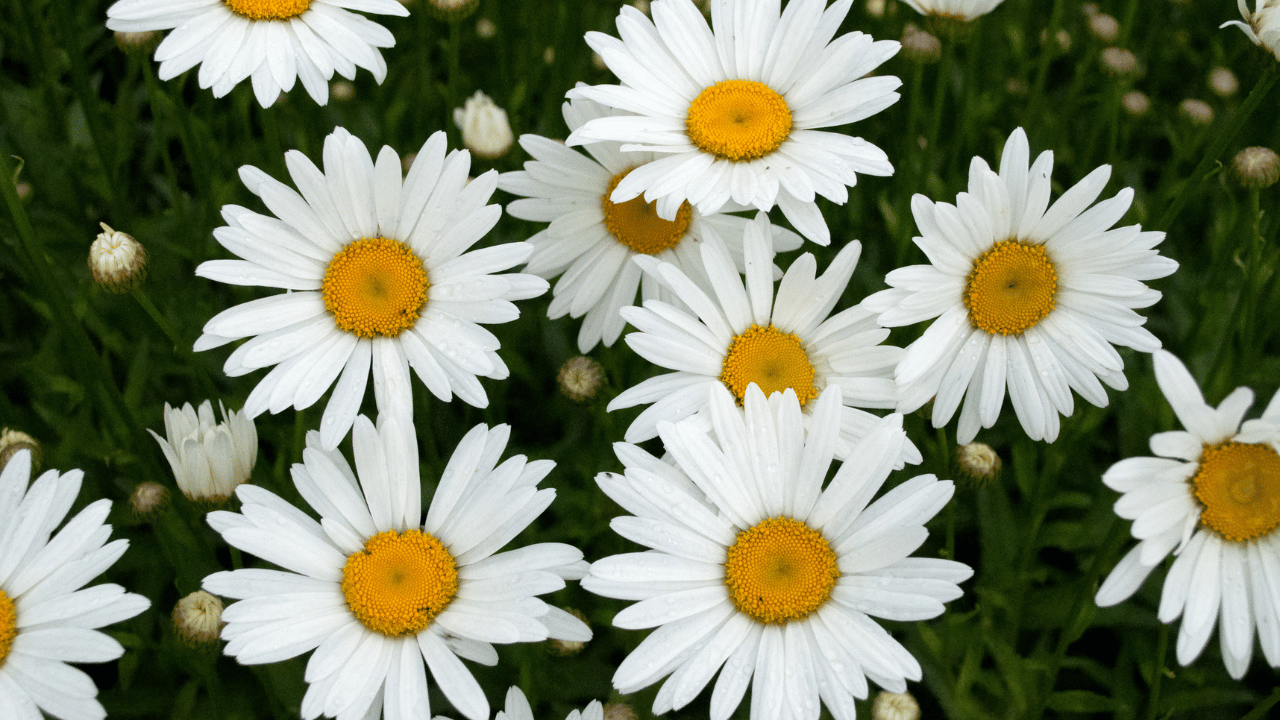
{"points": [[1162, 649], [180, 347]]}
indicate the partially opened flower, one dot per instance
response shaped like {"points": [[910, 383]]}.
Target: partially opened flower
{"points": [[47, 617], [382, 282], [758, 572], [1212, 498], [735, 113], [209, 459], [1030, 296], [1262, 25], [383, 595], [741, 334], [276, 42], [592, 239], [517, 708]]}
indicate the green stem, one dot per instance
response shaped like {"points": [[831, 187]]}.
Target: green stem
{"points": [[1220, 142], [1157, 678], [1047, 51], [89, 104], [180, 347], [1260, 712], [455, 77]]}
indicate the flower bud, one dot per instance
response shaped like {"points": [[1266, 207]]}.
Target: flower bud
{"points": [[342, 90], [619, 711], [149, 500], [1256, 168], [919, 46], [978, 463], [1197, 111], [1118, 62], [139, 43], [1135, 103], [895, 706], [1104, 27], [117, 261], [485, 28], [198, 618], [485, 130], [453, 10], [568, 647], [12, 441], [1223, 82], [580, 378], [209, 459]]}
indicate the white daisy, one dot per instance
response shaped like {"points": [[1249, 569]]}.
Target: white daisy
{"points": [[1029, 295], [771, 576], [1263, 25], [735, 112], [375, 590], [591, 239], [741, 335], [955, 9], [383, 281], [1212, 498], [517, 708], [46, 619], [273, 41], [208, 458]]}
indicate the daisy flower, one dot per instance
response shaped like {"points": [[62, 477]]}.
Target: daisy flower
{"points": [[738, 335], [46, 619], [1262, 26], [381, 281], [377, 591], [955, 9], [517, 708], [771, 576], [1212, 498], [735, 113], [273, 41], [1026, 295], [591, 239]]}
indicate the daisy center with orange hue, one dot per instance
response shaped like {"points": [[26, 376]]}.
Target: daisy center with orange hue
{"points": [[1011, 288], [780, 570], [268, 9], [738, 120], [1239, 486], [375, 287], [8, 626], [770, 358], [400, 582], [635, 223]]}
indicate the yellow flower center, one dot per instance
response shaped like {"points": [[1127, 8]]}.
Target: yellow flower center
{"points": [[770, 358], [635, 223], [375, 286], [8, 626], [1011, 288], [738, 120], [780, 570], [268, 9], [400, 582], [1239, 486]]}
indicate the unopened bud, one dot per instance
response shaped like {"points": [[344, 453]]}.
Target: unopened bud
{"points": [[641, 5], [919, 46], [978, 463], [597, 62], [1104, 27], [619, 711], [198, 618], [895, 706], [117, 261], [149, 500], [139, 43], [1197, 111], [875, 8], [453, 10], [485, 28], [1223, 82], [13, 441], [580, 378], [1135, 103], [1118, 62], [1257, 167], [485, 130], [549, 55], [341, 90], [568, 647]]}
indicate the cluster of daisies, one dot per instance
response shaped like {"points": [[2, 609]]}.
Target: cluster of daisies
{"points": [[769, 546]]}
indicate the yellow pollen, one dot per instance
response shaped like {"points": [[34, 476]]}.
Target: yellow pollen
{"points": [[770, 358], [738, 120], [635, 223], [268, 9], [1239, 486], [400, 582], [8, 626], [1011, 288], [780, 570], [375, 286]]}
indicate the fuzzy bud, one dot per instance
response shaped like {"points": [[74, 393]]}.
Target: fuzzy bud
{"points": [[198, 618], [978, 462], [149, 500], [453, 10], [1256, 168], [341, 90], [1197, 111], [485, 130], [895, 706], [619, 711], [485, 28], [1104, 27], [1118, 62], [1223, 82], [139, 43], [12, 441], [117, 261], [1135, 103], [580, 378], [919, 46], [568, 647]]}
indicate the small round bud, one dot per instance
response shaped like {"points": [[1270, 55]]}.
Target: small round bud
{"points": [[453, 10], [641, 5], [198, 618], [406, 162], [139, 43], [597, 62], [485, 130], [1223, 82], [341, 90], [485, 28], [12, 441], [978, 463], [1090, 9], [23, 189], [149, 500], [1061, 40], [1135, 103], [1197, 111], [1104, 27], [117, 261], [875, 8], [1118, 62], [568, 647], [580, 378], [1016, 87], [1256, 167], [895, 706], [619, 711], [919, 46], [549, 55]]}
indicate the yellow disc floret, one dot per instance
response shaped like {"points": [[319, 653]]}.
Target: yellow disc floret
{"points": [[8, 626], [738, 120], [400, 582], [635, 223], [268, 9], [1239, 486], [1011, 288], [375, 286], [770, 358], [780, 570]]}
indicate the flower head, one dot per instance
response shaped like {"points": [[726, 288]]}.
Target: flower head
{"points": [[1257, 168], [954, 9], [1262, 25], [198, 618], [117, 261], [485, 130], [13, 441], [210, 459]]}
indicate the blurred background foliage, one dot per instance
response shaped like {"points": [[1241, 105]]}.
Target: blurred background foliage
{"points": [[99, 139]]}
